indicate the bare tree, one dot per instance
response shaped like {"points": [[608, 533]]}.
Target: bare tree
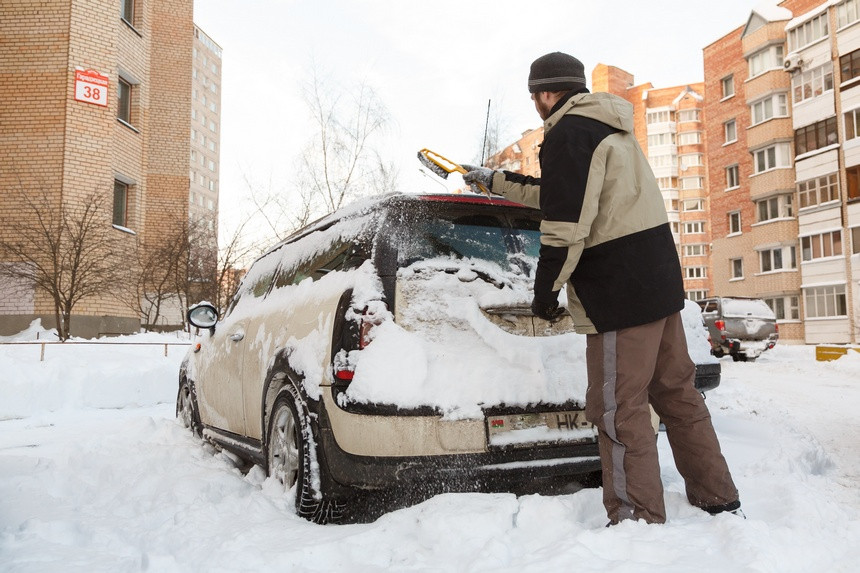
{"points": [[494, 129], [64, 250], [341, 161], [234, 257]]}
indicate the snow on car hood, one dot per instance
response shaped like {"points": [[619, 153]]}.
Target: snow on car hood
{"points": [[444, 352]]}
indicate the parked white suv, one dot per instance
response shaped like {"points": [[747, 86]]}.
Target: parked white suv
{"points": [[390, 348]]}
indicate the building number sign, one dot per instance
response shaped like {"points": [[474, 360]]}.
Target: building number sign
{"points": [[91, 87]]}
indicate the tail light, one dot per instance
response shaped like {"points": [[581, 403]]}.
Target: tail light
{"points": [[776, 327], [721, 326], [371, 316]]}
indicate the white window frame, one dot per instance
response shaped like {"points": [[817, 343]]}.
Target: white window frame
{"points": [[765, 109], [809, 32], [736, 268], [696, 272], [825, 301], [786, 308], [765, 60], [684, 115], [812, 83], [730, 131], [826, 241], [696, 250], [778, 207], [728, 86], [690, 138], [847, 13], [812, 191], [694, 227], [733, 217], [777, 259], [733, 179], [776, 156], [694, 205], [692, 182]]}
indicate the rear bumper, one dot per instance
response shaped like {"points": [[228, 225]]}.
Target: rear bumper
{"points": [[456, 472]]}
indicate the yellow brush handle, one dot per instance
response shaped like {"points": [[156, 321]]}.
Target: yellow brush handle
{"points": [[450, 166]]}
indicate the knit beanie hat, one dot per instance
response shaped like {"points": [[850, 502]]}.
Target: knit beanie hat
{"points": [[556, 72]]}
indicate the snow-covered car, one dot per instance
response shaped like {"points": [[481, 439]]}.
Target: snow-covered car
{"points": [[390, 347]]}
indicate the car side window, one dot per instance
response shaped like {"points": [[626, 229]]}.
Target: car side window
{"points": [[257, 282]]}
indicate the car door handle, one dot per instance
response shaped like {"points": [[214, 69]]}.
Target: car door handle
{"points": [[237, 336]]}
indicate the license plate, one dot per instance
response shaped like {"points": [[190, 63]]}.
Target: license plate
{"points": [[521, 430]]}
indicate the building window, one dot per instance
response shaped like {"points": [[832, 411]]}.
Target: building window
{"points": [[688, 115], [773, 157], [768, 108], [124, 106], [812, 83], [694, 205], [849, 65], [852, 124], [666, 183], [735, 223], [819, 134], [764, 60], [825, 301], [126, 10], [663, 116], [690, 138], [697, 294], [691, 160], [728, 85], [694, 227], [847, 13], [779, 207], [737, 268], [855, 240], [695, 272], [663, 161], [732, 177], [697, 250], [819, 190], [731, 131], [821, 246], [810, 31], [691, 183], [852, 174], [120, 203], [778, 259], [784, 307], [676, 227], [658, 139]]}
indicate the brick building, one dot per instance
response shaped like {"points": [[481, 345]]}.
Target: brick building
{"points": [[130, 145], [784, 189]]}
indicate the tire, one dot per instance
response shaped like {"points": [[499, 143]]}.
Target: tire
{"points": [[289, 459], [186, 408]]}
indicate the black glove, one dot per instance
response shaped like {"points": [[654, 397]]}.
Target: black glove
{"points": [[475, 176], [547, 310]]}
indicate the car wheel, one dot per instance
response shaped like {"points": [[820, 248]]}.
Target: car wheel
{"points": [[186, 408], [289, 460]]}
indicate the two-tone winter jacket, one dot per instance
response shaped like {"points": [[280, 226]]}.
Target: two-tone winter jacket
{"points": [[605, 233]]}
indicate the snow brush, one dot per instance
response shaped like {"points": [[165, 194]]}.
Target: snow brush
{"points": [[442, 167]]}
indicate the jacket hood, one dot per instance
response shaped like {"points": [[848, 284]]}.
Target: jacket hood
{"points": [[603, 107]]}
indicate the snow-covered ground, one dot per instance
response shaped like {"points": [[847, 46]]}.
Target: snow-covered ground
{"points": [[97, 475]]}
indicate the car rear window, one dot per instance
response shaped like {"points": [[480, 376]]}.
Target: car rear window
{"points": [[495, 237]]}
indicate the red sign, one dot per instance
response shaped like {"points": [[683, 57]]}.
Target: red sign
{"points": [[91, 87]]}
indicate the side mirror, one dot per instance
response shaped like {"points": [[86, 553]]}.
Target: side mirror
{"points": [[203, 315]]}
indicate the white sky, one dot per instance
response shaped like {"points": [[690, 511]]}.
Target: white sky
{"points": [[433, 64]]}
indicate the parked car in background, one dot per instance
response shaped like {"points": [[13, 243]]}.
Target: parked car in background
{"points": [[740, 327], [391, 347]]}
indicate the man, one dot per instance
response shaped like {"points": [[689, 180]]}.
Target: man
{"points": [[605, 235]]}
